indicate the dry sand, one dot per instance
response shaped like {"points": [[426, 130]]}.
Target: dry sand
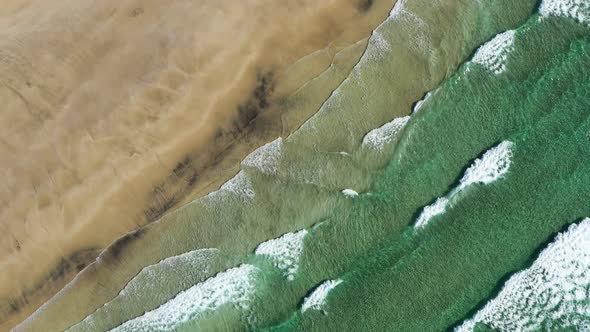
{"points": [[115, 112]]}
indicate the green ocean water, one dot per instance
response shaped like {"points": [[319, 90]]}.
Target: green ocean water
{"points": [[428, 280], [383, 214]]}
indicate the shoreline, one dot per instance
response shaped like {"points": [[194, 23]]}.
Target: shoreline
{"points": [[174, 175]]}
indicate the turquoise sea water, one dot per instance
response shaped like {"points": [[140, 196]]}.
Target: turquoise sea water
{"points": [[465, 211]]}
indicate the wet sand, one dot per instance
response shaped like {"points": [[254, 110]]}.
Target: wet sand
{"points": [[117, 112]]}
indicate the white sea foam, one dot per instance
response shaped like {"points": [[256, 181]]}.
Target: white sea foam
{"points": [[350, 193], [493, 165], [266, 157], [153, 278], [378, 47], [493, 54], [429, 212], [317, 299], [239, 185], [398, 9], [421, 102], [578, 10], [421, 42], [284, 252], [234, 286], [379, 42], [555, 288], [380, 137]]}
